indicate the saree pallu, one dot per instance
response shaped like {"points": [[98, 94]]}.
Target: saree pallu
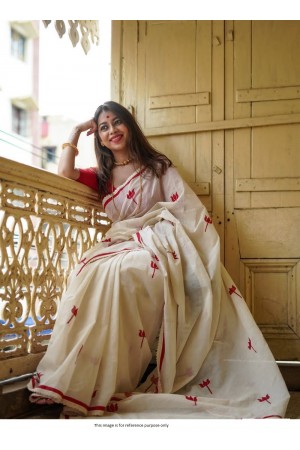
{"points": [[156, 284]]}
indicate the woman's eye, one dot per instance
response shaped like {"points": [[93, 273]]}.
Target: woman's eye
{"points": [[117, 122], [103, 128]]}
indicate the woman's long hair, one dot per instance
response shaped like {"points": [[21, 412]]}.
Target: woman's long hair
{"points": [[139, 148]]}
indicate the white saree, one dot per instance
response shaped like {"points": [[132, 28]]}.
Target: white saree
{"points": [[158, 273]]}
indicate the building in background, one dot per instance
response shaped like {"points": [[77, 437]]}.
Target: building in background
{"points": [[72, 84], [19, 92], [46, 87], [54, 132]]}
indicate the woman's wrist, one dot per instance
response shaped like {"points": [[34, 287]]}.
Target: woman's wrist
{"points": [[77, 130], [74, 135], [89, 126]]}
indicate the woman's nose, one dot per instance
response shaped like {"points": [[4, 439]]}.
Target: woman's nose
{"points": [[112, 128]]}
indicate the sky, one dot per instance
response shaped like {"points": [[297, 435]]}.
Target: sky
{"points": [[73, 84]]}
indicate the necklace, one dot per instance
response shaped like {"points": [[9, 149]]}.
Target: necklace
{"points": [[124, 163]]}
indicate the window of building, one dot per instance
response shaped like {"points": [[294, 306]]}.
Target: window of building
{"points": [[50, 154], [19, 121], [18, 44]]}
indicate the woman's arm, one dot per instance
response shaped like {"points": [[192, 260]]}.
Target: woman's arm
{"points": [[66, 165]]}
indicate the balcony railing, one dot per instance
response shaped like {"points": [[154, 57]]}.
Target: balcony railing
{"points": [[46, 223]]}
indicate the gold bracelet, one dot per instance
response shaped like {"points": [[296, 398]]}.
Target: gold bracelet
{"points": [[68, 144]]}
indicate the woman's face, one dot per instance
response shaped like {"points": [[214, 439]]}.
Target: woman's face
{"points": [[113, 133]]}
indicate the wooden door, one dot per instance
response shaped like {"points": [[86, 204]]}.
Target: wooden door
{"points": [[169, 70], [221, 99], [263, 175]]}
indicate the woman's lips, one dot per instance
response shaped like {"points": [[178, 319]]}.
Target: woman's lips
{"points": [[116, 138]]}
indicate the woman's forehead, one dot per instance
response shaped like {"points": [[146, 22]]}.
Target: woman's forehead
{"points": [[106, 115]]}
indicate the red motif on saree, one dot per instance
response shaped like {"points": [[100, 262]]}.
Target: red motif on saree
{"points": [[74, 312], [175, 197], [266, 398], [233, 290], [131, 195], [205, 384], [173, 253], [250, 346], [192, 399], [154, 267], [208, 221], [142, 334]]}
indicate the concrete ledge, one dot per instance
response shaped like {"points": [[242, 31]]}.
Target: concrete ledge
{"points": [[291, 375], [15, 404]]}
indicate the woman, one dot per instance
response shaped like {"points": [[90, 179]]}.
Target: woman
{"points": [[157, 273]]}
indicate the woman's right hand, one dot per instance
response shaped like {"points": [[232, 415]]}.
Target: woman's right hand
{"points": [[89, 126], [66, 165]]}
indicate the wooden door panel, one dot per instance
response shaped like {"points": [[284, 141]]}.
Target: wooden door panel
{"points": [[268, 232], [275, 53], [170, 73], [275, 151], [184, 157], [271, 288], [267, 179], [222, 100], [174, 92]]}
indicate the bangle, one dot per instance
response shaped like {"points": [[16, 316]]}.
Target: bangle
{"points": [[67, 144]]}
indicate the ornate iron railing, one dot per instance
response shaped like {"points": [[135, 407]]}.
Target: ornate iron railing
{"points": [[46, 223]]}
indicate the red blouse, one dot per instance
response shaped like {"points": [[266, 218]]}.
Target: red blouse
{"points": [[89, 177]]}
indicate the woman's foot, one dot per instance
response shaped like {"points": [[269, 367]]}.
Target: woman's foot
{"points": [[40, 400]]}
